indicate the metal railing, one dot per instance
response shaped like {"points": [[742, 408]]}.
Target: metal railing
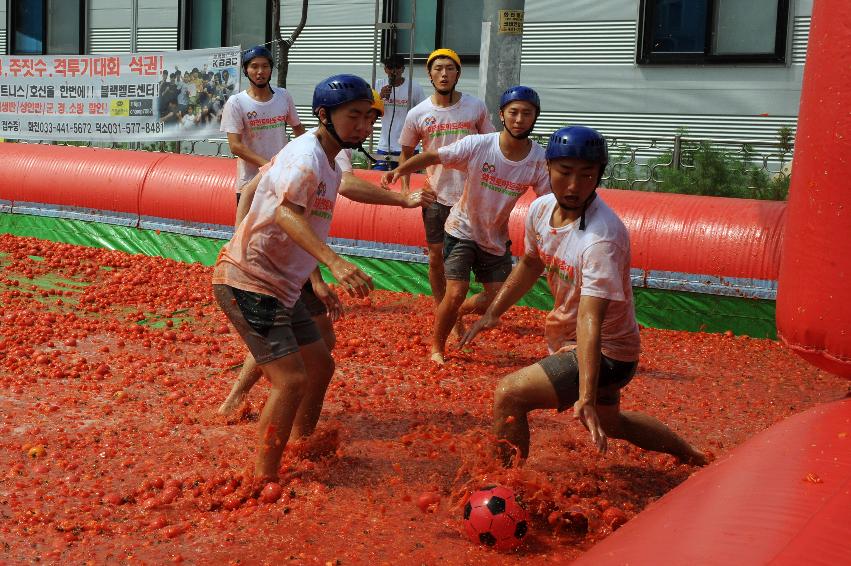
{"points": [[637, 162]]}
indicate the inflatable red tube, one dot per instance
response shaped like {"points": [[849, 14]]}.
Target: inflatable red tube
{"points": [[704, 236], [783, 497], [813, 305]]}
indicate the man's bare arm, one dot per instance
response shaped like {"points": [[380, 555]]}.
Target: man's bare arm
{"points": [[589, 326]]}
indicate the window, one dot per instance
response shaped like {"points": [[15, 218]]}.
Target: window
{"points": [[217, 23], [712, 31], [438, 23], [46, 27]]}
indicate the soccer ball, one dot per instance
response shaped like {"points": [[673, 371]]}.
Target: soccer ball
{"points": [[494, 518]]}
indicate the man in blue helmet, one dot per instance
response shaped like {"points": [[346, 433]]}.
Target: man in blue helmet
{"points": [[591, 333], [499, 168], [255, 119], [259, 275]]}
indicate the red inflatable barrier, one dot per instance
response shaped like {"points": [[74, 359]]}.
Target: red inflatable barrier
{"points": [[669, 232], [783, 497], [704, 236], [190, 188], [813, 304], [86, 178]]}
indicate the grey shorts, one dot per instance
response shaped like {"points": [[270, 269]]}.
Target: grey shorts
{"points": [[315, 307], [434, 218], [563, 371], [269, 329], [460, 257]]}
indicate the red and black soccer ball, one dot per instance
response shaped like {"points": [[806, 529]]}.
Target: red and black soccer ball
{"points": [[494, 518]]}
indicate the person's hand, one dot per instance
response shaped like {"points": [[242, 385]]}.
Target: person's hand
{"points": [[389, 178], [349, 276], [330, 299], [587, 414], [423, 198], [485, 322]]}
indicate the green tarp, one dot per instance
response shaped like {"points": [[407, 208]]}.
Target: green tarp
{"points": [[654, 308]]}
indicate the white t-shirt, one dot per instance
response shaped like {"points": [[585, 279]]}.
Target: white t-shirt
{"points": [[261, 257], [437, 126], [262, 125], [492, 188], [592, 262], [395, 112]]}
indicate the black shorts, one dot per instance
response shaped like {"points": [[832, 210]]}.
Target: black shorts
{"points": [[314, 306], [563, 371], [460, 257], [434, 219], [269, 329]]}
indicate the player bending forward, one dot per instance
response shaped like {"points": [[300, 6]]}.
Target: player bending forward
{"points": [[591, 332]]}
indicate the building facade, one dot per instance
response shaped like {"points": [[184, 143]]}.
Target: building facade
{"points": [[635, 69]]}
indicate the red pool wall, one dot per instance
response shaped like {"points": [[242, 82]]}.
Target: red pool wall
{"points": [[814, 292], [783, 497], [678, 233]]}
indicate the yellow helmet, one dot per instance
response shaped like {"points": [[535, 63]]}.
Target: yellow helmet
{"points": [[443, 52], [377, 103]]}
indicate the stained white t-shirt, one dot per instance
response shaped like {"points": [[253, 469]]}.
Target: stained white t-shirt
{"points": [[261, 257], [343, 159], [493, 186], [438, 126], [395, 112], [262, 125], [592, 262]]}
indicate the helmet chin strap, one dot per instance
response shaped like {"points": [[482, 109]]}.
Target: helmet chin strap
{"points": [[522, 135], [329, 125], [585, 206]]}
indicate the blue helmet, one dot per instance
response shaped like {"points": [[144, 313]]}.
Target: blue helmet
{"points": [[340, 89], [580, 142], [253, 53], [523, 93]]}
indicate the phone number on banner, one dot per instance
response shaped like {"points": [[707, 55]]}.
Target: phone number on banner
{"points": [[105, 128]]}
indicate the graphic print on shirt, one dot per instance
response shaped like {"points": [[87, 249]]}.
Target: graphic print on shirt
{"points": [[322, 207], [492, 182], [434, 130]]}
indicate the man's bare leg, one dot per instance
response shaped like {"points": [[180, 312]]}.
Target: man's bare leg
{"points": [[477, 304], [444, 320], [436, 274], [319, 366], [648, 433], [248, 376], [289, 384], [326, 330], [516, 395]]}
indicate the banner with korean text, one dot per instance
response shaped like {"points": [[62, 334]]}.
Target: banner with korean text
{"points": [[142, 97]]}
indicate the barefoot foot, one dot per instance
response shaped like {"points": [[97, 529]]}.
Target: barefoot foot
{"points": [[234, 401]]}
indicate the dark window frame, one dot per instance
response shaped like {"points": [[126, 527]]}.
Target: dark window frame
{"points": [[389, 39], [184, 24], [11, 47], [646, 56]]}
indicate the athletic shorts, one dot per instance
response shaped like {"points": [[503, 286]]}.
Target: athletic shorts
{"points": [[563, 371], [462, 256], [434, 219], [269, 329], [315, 307]]}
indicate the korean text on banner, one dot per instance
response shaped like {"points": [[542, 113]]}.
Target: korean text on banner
{"points": [[172, 95]]}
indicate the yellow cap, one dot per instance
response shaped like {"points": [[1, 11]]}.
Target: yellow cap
{"points": [[443, 52], [377, 103]]}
